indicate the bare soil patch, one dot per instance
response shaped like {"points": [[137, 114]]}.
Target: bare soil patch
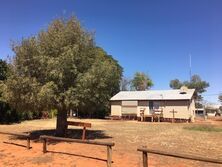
{"points": [[127, 135]]}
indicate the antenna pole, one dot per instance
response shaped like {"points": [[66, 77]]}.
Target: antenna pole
{"points": [[190, 66]]}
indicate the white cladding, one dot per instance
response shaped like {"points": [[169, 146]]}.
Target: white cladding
{"points": [[129, 103]]}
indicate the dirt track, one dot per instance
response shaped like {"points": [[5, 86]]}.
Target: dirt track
{"points": [[127, 135]]}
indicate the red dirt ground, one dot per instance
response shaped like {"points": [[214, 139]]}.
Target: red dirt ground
{"points": [[62, 154], [80, 155]]}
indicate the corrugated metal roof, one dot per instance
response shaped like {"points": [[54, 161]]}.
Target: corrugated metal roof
{"points": [[154, 95]]}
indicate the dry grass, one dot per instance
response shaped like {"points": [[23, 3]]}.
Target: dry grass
{"points": [[204, 128], [128, 135]]}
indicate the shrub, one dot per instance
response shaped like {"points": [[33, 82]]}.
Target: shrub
{"points": [[8, 115], [53, 113]]}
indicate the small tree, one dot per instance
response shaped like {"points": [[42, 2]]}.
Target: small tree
{"points": [[125, 84], [175, 84], [198, 84], [195, 83], [141, 82], [220, 98]]}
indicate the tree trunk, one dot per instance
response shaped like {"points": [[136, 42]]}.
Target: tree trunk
{"points": [[61, 124]]}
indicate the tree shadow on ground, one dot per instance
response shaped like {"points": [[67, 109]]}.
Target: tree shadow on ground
{"points": [[71, 133], [15, 144], [78, 155]]}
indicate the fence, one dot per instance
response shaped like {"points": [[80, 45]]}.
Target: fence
{"points": [[26, 135], [145, 152], [109, 145]]}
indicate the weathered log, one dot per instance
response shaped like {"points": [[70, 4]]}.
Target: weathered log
{"points": [[25, 135], [108, 144], [179, 155]]}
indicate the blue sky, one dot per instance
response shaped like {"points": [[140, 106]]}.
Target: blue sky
{"points": [[155, 37]]}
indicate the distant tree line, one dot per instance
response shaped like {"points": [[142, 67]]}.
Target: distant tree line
{"points": [[142, 81]]}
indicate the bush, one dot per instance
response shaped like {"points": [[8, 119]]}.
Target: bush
{"points": [[53, 113], [97, 112], [8, 115], [28, 115]]}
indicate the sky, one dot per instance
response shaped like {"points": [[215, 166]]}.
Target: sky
{"points": [[151, 36]]}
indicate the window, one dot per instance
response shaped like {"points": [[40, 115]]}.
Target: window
{"points": [[154, 105], [151, 105]]}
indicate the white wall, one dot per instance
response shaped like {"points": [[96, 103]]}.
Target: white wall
{"points": [[180, 108], [116, 108], [184, 109]]}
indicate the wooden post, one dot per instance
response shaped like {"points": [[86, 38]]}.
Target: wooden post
{"points": [[204, 112], [28, 143], [44, 145], [173, 119], [109, 156], [145, 151], [145, 159], [84, 133]]}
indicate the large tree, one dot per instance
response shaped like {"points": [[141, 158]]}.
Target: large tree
{"points": [[61, 68], [141, 81]]}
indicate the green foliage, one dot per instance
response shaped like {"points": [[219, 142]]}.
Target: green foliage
{"points": [[98, 84], [176, 84], [198, 105], [3, 70], [220, 98], [141, 81], [3, 75], [62, 69], [53, 113], [204, 128], [195, 83], [198, 84], [8, 115]]}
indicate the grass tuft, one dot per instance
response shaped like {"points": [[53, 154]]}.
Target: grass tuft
{"points": [[204, 128]]}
